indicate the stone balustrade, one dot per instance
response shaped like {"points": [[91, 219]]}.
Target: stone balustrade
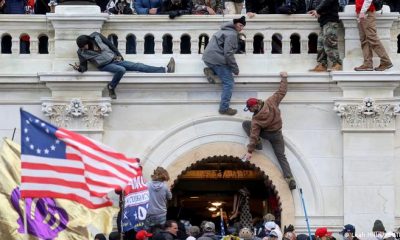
{"points": [[270, 41]]}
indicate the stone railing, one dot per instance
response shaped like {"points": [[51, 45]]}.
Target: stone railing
{"points": [[270, 41]]}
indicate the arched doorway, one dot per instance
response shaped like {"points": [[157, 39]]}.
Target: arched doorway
{"points": [[207, 188]]}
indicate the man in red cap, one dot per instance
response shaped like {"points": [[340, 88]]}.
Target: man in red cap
{"points": [[267, 123], [143, 235], [322, 233]]}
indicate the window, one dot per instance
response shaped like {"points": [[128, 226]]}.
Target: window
{"points": [[258, 44], [6, 44], [43, 44], [185, 44], [276, 44], [149, 44]]}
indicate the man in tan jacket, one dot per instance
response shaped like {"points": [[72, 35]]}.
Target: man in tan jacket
{"points": [[267, 123]]}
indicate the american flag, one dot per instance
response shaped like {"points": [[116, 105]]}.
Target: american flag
{"points": [[59, 163]]}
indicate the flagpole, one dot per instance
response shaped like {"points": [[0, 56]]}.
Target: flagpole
{"points": [[12, 139], [25, 220], [121, 208]]}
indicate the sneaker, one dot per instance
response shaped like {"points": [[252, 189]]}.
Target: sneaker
{"points": [[229, 111], [319, 68], [291, 182], [383, 66], [335, 67], [111, 92], [210, 75], [171, 65], [363, 68]]}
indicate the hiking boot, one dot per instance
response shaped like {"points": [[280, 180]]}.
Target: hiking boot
{"points": [[383, 66], [210, 75], [171, 65], [363, 68], [111, 92], [291, 182], [319, 68], [229, 111], [335, 67], [259, 145]]}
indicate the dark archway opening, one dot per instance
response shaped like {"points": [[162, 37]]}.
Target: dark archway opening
{"points": [[216, 180]]}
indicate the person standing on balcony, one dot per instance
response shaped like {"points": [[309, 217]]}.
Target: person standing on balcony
{"points": [[266, 123], [233, 6], [175, 8], [327, 12], [207, 7], [151, 7], [14, 6], [99, 51], [220, 60], [369, 38]]}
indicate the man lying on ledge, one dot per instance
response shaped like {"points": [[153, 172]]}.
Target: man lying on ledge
{"points": [[99, 51]]}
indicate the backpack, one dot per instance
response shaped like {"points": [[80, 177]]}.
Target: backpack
{"points": [[378, 4]]}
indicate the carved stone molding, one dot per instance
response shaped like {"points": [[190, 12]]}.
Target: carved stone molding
{"points": [[367, 115], [77, 114]]}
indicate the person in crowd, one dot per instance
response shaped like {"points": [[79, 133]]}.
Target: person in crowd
{"points": [[194, 232], [233, 6], [369, 38], [159, 194], [13, 6], [247, 234], [208, 232], [254, 7], [378, 229], [120, 7], [272, 226], [349, 232], [289, 233], [259, 229], [100, 236], [151, 7], [143, 235], [102, 4], [42, 7], [207, 7], [169, 233], [394, 5], [98, 50], [344, 3], [2, 4], [273, 235], [220, 60], [322, 233], [290, 6], [175, 8], [267, 124], [114, 236], [327, 12]]}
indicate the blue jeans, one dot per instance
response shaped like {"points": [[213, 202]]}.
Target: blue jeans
{"points": [[119, 69], [225, 74]]}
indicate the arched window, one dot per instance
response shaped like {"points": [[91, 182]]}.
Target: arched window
{"points": [[276, 44], [185, 44], [113, 39], [149, 44], [43, 44], [398, 44], [295, 47], [312, 43], [6, 44], [131, 44], [167, 44], [24, 44], [258, 44], [241, 44], [203, 42]]}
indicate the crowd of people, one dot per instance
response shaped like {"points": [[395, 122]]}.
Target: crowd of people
{"points": [[267, 229], [175, 8]]}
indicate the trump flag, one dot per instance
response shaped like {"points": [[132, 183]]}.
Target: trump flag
{"points": [[58, 163]]}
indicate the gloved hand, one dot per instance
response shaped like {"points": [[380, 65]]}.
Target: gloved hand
{"points": [[174, 14]]}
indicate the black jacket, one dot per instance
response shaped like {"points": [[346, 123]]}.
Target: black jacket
{"points": [[182, 7], [328, 11], [259, 6], [164, 235]]}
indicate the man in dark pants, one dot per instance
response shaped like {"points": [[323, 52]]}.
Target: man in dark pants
{"points": [[105, 56], [267, 123]]}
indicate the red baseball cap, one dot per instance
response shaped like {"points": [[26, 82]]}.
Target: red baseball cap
{"points": [[322, 232], [142, 234], [250, 103]]}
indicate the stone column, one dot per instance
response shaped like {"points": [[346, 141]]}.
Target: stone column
{"points": [[353, 54], [70, 21], [368, 110]]}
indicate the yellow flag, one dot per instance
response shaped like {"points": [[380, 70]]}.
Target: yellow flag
{"points": [[47, 218]]}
